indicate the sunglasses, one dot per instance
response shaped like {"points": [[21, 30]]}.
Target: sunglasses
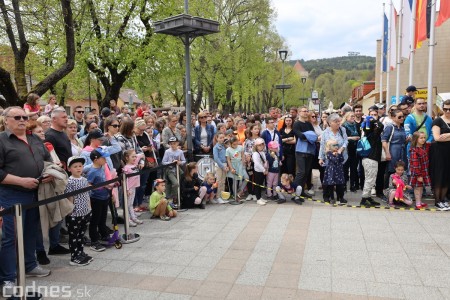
{"points": [[335, 145], [18, 118], [313, 117], [205, 117], [422, 103], [400, 117], [115, 125], [80, 112], [446, 109]]}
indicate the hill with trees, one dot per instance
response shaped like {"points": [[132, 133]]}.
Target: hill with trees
{"points": [[334, 78]]}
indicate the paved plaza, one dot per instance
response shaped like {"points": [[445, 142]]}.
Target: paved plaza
{"points": [[313, 251]]}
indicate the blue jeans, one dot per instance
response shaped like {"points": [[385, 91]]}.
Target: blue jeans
{"points": [[9, 197], [53, 237], [140, 191]]}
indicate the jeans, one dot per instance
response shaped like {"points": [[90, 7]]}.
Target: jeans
{"points": [[53, 237], [9, 197], [140, 191], [304, 164]]}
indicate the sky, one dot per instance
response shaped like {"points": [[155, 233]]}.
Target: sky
{"points": [[330, 28]]}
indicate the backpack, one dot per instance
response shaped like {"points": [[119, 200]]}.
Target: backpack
{"points": [[363, 147]]}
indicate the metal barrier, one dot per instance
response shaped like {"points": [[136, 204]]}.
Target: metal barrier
{"points": [[18, 210]]}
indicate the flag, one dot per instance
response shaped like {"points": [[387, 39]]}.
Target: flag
{"points": [[422, 21], [393, 38], [444, 12], [406, 27], [385, 42]]}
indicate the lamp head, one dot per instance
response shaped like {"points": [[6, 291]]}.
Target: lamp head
{"points": [[303, 80], [283, 54]]}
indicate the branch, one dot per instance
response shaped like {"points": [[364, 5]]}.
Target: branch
{"points": [[68, 66], [9, 30], [125, 20], [7, 88]]}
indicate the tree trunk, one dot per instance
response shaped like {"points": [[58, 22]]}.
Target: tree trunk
{"points": [[7, 89]]}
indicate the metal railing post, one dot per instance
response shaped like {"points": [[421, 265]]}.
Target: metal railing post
{"points": [[126, 213], [235, 187], [20, 250], [179, 187]]}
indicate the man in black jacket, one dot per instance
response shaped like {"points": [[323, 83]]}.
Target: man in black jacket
{"points": [[304, 160], [372, 131]]}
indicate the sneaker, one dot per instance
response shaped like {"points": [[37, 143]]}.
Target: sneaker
{"points": [[42, 258], [8, 288], [38, 272], [254, 198], [281, 201], [90, 258], [260, 202], [132, 224], [365, 202], [311, 192], [58, 250], [297, 200], [441, 206], [249, 198], [424, 205], [164, 218], [306, 194], [214, 201], [373, 192], [419, 206], [220, 201], [137, 221], [342, 201], [79, 261], [446, 204], [373, 202], [97, 247]]}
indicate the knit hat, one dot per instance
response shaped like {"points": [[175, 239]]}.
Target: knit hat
{"points": [[139, 122]]}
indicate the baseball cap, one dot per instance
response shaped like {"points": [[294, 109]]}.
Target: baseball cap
{"points": [[225, 141], [273, 145], [173, 139], [96, 134], [380, 105], [373, 107], [157, 182], [408, 100], [411, 88], [75, 159], [99, 152], [259, 141]]}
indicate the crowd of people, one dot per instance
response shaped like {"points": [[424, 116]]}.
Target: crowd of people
{"points": [[397, 154]]}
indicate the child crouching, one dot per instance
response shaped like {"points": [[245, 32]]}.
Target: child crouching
{"points": [[208, 190], [190, 187], [286, 189], [158, 203]]}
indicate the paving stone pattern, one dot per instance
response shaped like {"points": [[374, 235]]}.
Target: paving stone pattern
{"points": [[276, 251]]}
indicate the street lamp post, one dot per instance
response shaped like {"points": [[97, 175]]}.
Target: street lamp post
{"points": [[303, 82], [283, 87]]}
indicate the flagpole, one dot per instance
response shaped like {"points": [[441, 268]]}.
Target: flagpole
{"points": [[382, 56], [399, 53], [413, 42], [431, 59], [388, 69]]}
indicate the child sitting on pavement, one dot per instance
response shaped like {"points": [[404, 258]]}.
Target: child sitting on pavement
{"points": [[392, 187], [287, 189], [208, 190], [158, 203]]}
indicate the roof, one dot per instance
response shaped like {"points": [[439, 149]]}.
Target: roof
{"points": [[298, 67], [125, 94]]}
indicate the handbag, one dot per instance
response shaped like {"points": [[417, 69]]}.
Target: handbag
{"points": [[383, 153]]}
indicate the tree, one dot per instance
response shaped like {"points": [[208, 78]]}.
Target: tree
{"points": [[15, 27], [120, 39]]}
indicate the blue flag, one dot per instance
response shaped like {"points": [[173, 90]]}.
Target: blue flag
{"points": [[385, 42]]}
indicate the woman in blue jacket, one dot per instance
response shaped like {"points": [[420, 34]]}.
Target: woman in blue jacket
{"points": [[203, 136]]}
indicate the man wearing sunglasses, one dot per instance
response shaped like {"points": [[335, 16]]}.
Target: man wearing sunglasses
{"points": [[419, 121], [22, 159]]}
